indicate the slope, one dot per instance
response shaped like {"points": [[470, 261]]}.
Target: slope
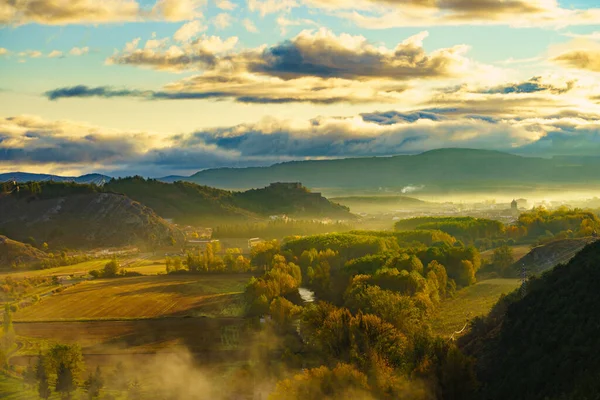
{"points": [[68, 214], [544, 345], [17, 253], [193, 204]]}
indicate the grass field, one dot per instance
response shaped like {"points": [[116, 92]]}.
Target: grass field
{"points": [[146, 264], [519, 252], [12, 389], [470, 302], [141, 297]]}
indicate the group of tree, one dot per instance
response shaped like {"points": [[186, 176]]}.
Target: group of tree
{"points": [[278, 228], [208, 260], [372, 328], [466, 229], [541, 223]]}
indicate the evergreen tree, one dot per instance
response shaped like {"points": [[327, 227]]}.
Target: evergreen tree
{"points": [[42, 378], [64, 381], [94, 384], [30, 376]]}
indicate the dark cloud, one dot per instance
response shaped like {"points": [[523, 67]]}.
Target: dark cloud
{"points": [[240, 95], [323, 54], [533, 85], [394, 117]]}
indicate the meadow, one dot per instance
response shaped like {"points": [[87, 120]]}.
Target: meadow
{"points": [[141, 297], [470, 302]]}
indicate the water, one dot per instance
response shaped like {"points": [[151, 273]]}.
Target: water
{"points": [[307, 295]]}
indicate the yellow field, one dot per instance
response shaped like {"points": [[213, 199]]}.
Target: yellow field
{"points": [[470, 302], [141, 297]]}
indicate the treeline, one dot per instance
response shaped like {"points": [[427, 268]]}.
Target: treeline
{"points": [[467, 229], [562, 223], [209, 260], [278, 229], [535, 226], [48, 189]]}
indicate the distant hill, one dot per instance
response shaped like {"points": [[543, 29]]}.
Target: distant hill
{"points": [[383, 203], [443, 170], [73, 215], [544, 345], [186, 202], [97, 179], [17, 253]]}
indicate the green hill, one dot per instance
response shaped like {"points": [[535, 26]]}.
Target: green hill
{"points": [[443, 170], [73, 215], [544, 345], [193, 204]]}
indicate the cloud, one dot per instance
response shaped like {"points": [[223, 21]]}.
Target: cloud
{"points": [[225, 5], [589, 36], [222, 21], [580, 59], [63, 12], [383, 14], [247, 89], [178, 10], [79, 51], [27, 140], [324, 54], [54, 12], [264, 7], [3, 51], [198, 54], [533, 85], [189, 30], [30, 53], [55, 54], [284, 23], [250, 26]]}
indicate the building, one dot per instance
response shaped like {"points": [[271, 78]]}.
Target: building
{"points": [[514, 205]]}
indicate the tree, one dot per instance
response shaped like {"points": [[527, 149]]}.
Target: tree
{"points": [[42, 378], [94, 384], [64, 381], [111, 269], [8, 333], [30, 376], [503, 259]]}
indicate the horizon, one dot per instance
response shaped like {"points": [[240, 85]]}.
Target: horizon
{"points": [[124, 175], [170, 87]]}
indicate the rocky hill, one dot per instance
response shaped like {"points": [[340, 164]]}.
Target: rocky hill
{"points": [[81, 216]]}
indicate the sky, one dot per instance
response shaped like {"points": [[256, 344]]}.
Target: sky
{"points": [[171, 87]]}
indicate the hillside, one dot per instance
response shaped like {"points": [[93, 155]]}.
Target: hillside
{"points": [[443, 170], [80, 215], [17, 253], [544, 345], [544, 257], [193, 204]]}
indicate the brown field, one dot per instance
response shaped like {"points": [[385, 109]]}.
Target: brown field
{"points": [[142, 297]]}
